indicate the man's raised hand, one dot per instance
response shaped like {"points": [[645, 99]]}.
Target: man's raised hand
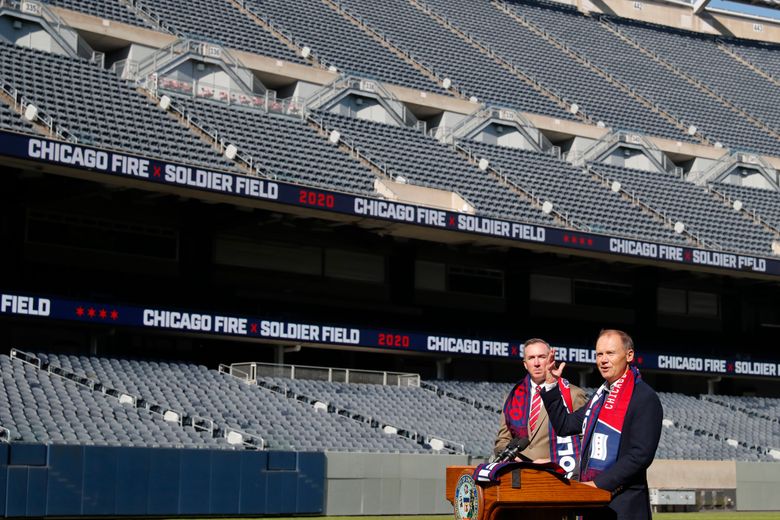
{"points": [[554, 370]]}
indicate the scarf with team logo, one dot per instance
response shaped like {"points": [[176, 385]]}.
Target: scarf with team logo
{"points": [[603, 423], [564, 451]]}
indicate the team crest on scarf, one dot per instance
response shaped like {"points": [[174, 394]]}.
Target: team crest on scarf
{"points": [[564, 451], [603, 423]]}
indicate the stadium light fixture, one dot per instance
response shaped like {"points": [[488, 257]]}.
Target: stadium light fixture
{"points": [[718, 144], [737, 205], [390, 430], [679, 227], [333, 68], [547, 207], [305, 52], [474, 99], [446, 83], [692, 130], [400, 180], [574, 108], [31, 112], [231, 151], [483, 164], [615, 186], [334, 137], [436, 444], [165, 102], [601, 124]]}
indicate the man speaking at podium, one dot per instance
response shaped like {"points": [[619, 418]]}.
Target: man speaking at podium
{"points": [[621, 427], [525, 417]]}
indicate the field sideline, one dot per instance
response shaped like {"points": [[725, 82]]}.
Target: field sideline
{"points": [[710, 515]]}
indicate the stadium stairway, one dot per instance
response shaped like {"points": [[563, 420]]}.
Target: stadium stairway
{"points": [[341, 41], [575, 193], [89, 101], [763, 205], [699, 211], [553, 93], [597, 39], [605, 75], [522, 49], [475, 73], [634, 38], [748, 60]]}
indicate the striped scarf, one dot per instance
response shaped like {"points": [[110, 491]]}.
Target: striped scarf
{"points": [[564, 451], [603, 424]]}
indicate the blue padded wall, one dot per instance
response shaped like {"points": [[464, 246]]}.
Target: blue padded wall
{"points": [[39, 480]]}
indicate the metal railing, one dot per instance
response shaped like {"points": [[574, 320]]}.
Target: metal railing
{"points": [[750, 213], [53, 20], [388, 100], [147, 14], [449, 134], [251, 371], [667, 220], [537, 200], [656, 155], [726, 164], [398, 48], [219, 141]]}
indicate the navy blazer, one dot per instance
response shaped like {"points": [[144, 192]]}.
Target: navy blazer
{"points": [[627, 478]]}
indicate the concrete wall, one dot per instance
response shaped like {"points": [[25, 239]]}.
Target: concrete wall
{"points": [[387, 484], [757, 486], [28, 34]]}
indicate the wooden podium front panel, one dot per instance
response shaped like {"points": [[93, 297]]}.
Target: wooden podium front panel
{"points": [[529, 489]]}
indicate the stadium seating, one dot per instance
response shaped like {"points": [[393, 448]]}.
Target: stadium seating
{"points": [[575, 82], [90, 102], [699, 56], [284, 146], [759, 54], [39, 407], [409, 408], [575, 193], [694, 428], [282, 422], [340, 43], [423, 160], [712, 421], [221, 22], [701, 213], [450, 56], [590, 38], [107, 9], [10, 120], [765, 203]]}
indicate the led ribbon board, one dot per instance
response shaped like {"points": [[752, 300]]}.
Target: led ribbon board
{"points": [[104, 162], [19, 305]]}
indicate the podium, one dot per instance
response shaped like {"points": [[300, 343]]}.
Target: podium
{"points": [[525, 492]]}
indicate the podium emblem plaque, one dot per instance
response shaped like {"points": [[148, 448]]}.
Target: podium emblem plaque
{"points": [[466, 499]]}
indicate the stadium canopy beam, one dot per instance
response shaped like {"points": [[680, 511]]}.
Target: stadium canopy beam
{"points": [[700, 5]]}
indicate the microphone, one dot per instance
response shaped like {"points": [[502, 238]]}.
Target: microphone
{"points": [[513, 449]]}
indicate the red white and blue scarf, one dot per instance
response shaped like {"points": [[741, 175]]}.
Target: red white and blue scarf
{"points": [[603, 423], [564, 451]]}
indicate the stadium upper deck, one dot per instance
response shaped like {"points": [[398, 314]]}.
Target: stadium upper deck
{"points": [[550, 62]]}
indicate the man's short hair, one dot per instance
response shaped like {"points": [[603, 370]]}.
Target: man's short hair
{"points": [[535, 340], [625, 339]]}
